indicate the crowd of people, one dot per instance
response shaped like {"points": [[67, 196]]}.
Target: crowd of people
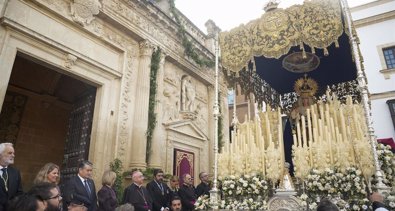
{"points": [[79, 192]]}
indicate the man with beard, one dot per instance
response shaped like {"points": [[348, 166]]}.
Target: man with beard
{"points": [[10, 178], [159, 192], [49, 193], [176, 204]]}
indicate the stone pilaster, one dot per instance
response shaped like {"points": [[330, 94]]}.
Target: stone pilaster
{"points": [[139, 139], [158, 140]]}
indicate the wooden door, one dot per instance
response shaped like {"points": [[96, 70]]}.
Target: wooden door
{"points": [[78, 135]]}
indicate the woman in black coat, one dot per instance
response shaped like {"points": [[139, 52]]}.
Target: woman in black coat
{"points": [[106, 195]]}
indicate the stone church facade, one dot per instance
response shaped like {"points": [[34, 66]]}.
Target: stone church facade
{"points": [[75, 81]]}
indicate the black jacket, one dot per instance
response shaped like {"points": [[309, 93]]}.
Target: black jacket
{"points": [[138, 197], [14, 187], [75, 190], [202, 189], [188, 197], [160, 199]]}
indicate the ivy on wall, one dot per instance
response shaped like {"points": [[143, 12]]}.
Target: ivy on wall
{"points": [[155, 60], [190, 50], [116, 166]]}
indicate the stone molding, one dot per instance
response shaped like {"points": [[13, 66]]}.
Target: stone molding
{"points": [[374, 19], [143, 20], [83, 11]]}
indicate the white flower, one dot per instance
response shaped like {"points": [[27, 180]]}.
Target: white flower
{"points": [[355, 207], [392, 204], [232, 186]]}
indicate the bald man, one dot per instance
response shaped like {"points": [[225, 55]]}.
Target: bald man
{"points": [[136, 194]]}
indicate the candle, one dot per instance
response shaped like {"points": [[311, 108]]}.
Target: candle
{"points": [[298, 134], [304, 131], [280, 136], [309, 127]]}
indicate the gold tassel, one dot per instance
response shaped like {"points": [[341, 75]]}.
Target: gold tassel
{"points": [[253, 63], [326, 53], [304, 56], [336, 44], [312, 50]]}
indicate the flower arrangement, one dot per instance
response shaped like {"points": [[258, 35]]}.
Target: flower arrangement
{"points": [[244, 192], [347, 189], [387, 163]]}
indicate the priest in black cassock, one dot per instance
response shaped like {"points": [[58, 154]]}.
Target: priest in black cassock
{"points": [[204, 187], [159, 192], [187, 193], [136, 194]]}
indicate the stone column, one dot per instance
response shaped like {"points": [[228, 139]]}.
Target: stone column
{"points": [[158, 138], [140, 119]]}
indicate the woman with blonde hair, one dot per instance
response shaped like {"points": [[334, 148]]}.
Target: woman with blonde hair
{"points": [[106, 195], [50, 172]]}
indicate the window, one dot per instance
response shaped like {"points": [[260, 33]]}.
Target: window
{"points": [[391, 105], [389, 55]]}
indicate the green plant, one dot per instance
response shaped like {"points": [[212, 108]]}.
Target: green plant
{"points": [[116, 166], [190, 50], [155, 60]]}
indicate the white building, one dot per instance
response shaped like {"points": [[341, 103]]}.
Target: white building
{"points": [[375, 26]]}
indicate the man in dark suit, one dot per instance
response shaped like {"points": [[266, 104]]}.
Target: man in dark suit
{"points": [[204, 187], [187, 193], [82, 187], [10, 178], [159, 192], [136, 194]]}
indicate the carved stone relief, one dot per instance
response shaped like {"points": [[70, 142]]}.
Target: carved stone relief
{"points": [[171, 103], [284, 203], [70, 60], [83, 11], [188, 94]]}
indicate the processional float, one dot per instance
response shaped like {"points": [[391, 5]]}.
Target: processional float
{"points": [[304, 63]]}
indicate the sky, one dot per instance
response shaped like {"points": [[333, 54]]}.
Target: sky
{"points": [[228, 14]]}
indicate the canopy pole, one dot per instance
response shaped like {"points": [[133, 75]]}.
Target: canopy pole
{"points": [[214, 194], [362, 83]]}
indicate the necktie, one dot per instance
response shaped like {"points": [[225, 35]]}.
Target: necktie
{"points": [[4, 174], [87, 187]]}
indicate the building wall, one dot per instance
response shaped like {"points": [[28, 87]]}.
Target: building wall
{"points": [[109, 46], [374, 23], [42, 128]]}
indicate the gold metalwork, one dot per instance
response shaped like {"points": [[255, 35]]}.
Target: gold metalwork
{"points": [[316, 23]]}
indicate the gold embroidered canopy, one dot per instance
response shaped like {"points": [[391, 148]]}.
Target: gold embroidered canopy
{"points": [[316, 23]]}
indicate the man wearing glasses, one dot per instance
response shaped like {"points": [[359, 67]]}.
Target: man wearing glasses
{"points": [[49, 193]]}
